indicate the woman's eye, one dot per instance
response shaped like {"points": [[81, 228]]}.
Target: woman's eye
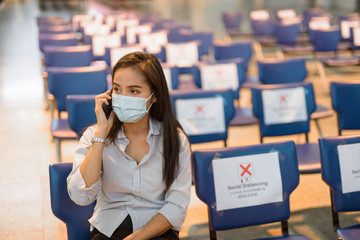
{"points": [[133, 91]]}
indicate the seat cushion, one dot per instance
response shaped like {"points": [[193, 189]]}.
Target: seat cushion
{"points": [[243, 117], [60, 129], [308, 156], [349, 233], [322, 112], [292, 237]]}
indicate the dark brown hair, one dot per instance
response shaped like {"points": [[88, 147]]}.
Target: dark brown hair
{"points": [[149, 67]]}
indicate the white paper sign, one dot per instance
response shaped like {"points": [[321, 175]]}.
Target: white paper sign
{"points": [[349, 160], [113, 40], [356, 36], [284, 105], [259, 15], [319, 24], [286, 13], [201, 116], [346, 25], [121, 24], [131, 32], [153, 41], [247, 181], [117, 53], [167, 73], [98, 44], [218, 76], [182, 54]]}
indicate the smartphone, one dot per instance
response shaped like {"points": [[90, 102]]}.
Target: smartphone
{"points": [[107, 108]]}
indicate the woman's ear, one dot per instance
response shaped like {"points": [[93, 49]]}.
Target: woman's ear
{"points": [[154, 98]]}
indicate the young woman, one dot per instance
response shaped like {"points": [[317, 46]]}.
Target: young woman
{"points": [[136, 163]]}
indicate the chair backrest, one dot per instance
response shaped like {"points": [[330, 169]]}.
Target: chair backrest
{"points": [[287, 33], [112, 55], [171, 73], [345, 99], [283, 109], [220, 74], [232, 20], [205, 38], [65, 39], [204, 114], [81, 112], [76, 81], [57, 29], [338, 172], [230, 50], [74, 216], [326, 40], [261, 23], [238, 217], [71, 56], [280, 71]]}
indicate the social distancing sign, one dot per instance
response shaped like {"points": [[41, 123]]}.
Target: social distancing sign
{"points": [[182, 54], [201, 116], [246, 181], [349, 161], [219, 76], [284, 105]]}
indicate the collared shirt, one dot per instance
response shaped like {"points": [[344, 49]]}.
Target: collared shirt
{"points": [[126, 187]]}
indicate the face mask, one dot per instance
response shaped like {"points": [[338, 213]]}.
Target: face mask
{"points": [[130, 109]]}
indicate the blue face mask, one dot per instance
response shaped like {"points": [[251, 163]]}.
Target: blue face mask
{"points": [[130, 109]]}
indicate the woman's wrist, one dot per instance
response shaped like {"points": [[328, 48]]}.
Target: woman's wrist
{"points": [[100, 133]]}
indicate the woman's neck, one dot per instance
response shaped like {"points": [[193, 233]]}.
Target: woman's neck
{"points": [[139, 128]]}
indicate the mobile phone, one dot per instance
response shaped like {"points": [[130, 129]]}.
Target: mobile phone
{"points": [[107, 108]]}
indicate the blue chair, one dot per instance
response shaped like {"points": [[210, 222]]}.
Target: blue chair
{"points": [[308, 154], [112, 55], [243, 116], [74, 216], [72, 81], [67, 56], [81, 112], [308, 14], [230, 50], [328, 41], [232, 22], [66, 39], [227, 99], [263, 28], [345, 99], [331, 174], [174, 35], [290, 70], [288, 38], [253, 215]]}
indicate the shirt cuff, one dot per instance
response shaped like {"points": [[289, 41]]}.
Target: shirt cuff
{"points": [[174, 214], [78, 191]]}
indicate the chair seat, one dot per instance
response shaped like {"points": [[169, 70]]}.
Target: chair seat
{"points": [[243, 117], [308, 156], [251, 81], [339, 61], [292, 237], [296, 49], [322, 112], [237, 33], [266, 40], [349, 233], [60, 129]]}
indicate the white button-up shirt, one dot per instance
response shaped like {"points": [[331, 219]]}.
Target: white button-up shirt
{"points": [[126, 187]]}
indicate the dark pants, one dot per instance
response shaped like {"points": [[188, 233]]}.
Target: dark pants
{"points": [[125, 229]]}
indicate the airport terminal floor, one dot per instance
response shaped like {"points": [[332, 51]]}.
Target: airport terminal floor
{"points": [[27, 147]]}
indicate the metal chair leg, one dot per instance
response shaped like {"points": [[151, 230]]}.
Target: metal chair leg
{"points": [[58, 149]]}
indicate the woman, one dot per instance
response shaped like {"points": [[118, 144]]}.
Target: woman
{"points": [[136, 163]]}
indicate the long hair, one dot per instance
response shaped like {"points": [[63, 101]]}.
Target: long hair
{"points": [[149, 67]]}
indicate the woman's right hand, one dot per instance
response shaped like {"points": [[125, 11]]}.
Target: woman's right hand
{"points": [[103, 124]]}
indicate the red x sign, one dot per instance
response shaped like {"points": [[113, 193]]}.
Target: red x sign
{"points": [[199, 108], [282, 98], [246, 169]]}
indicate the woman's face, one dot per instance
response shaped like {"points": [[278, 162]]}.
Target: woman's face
{"points": [[128, 82]]}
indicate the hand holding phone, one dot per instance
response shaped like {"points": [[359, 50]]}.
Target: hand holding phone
{"points": [[107, 108]]}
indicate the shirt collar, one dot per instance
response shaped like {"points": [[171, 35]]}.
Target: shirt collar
{"points": [[154, 129]]}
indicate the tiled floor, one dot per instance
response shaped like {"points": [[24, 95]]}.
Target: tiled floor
{"points": [[27, 148]]}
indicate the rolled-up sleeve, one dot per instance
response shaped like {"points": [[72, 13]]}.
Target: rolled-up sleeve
{"points": [[76, 186], [177, 198]]}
